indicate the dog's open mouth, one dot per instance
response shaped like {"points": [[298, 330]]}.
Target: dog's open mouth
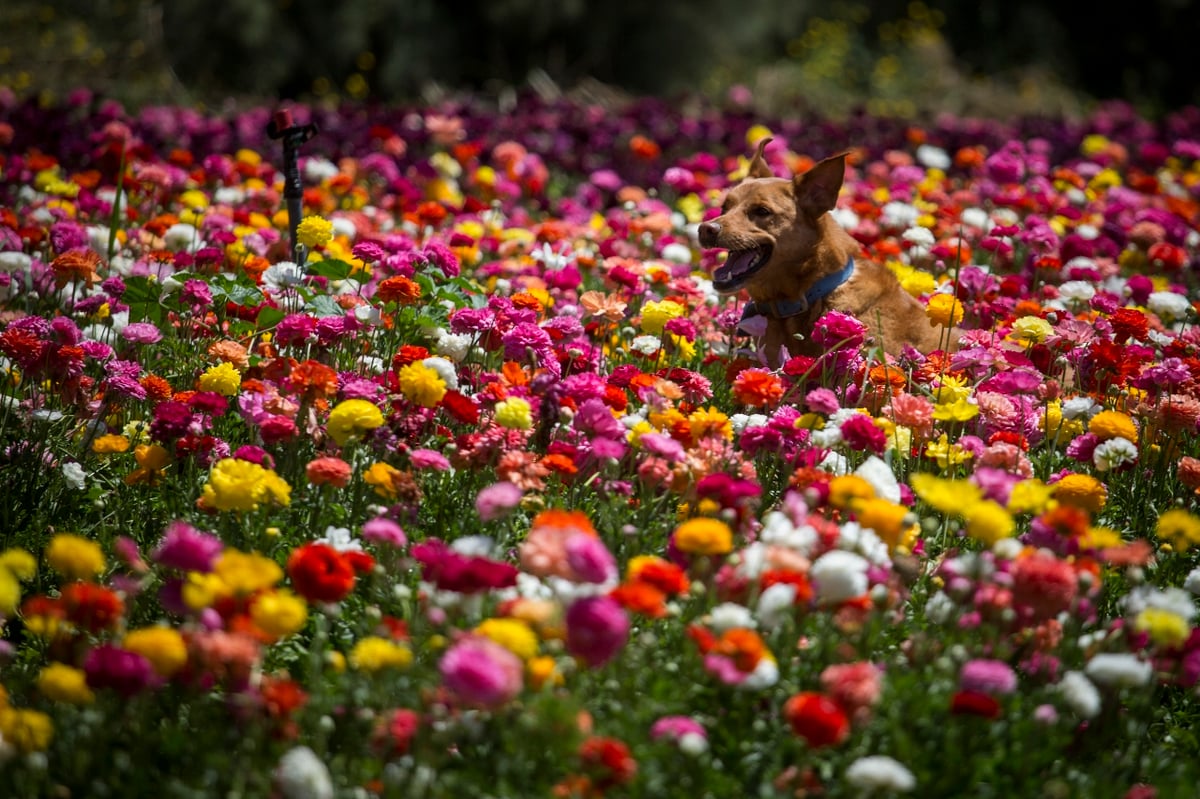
{"points": [[739, 266]]}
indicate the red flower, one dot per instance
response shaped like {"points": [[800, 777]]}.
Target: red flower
{"points": [[460, 407], [92, 607], [453, 571], [1129, 323], [817, 719], [607, 761], [320, 573], [975, 703]]}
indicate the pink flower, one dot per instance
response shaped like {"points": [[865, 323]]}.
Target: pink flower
{"points": [[328, 471], [675, 727], [428, 459], [185, 548], [854, 686], [495, 501], [480, 672], [384, 531], [911, 411], [987, 676], [597, 628], [589, 559], [127, 673]]}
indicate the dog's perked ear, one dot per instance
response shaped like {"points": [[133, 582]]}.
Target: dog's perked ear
{"points": [[816, 191], [758, 166]]}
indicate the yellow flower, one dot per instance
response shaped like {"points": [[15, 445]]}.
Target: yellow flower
{"points": [[704, 536], [1082, 491], [704, 422], [944, 496], [110, 444], [20, 563], [944, 310], [945, 453], [961, 410], [381, 476], [1100, 538], [75, 557], [59, 682], [1112, 424], [846, 490], [351, 418], [988, 522], [1178, 528], [512, 634], [655, 315], [1165, 628], [1030, 330], [224, 379], [313, 231], [1030, 496], [514, 413], [951, 389], [887, 520], [543, 671], [201, 590], [373, 654], [162, 646], [279, 613], [238, 485], [421, 384], [26, 730], [1057, 428], [10, 593], [245, 573]]}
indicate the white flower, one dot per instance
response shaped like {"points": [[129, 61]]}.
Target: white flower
{"points": [[678, 253], [1168, 305], [1080, 694], [14, 262], [775, 603], [1114, 453], [976, 218], [839, 575], [730, 616], [1079, 408], [229, 195], [693, 744], [765, 674], [779, 530], [445, 370], [1076, 291], [881, 477], [1173, 600], [454, 346], [853, 537], [827, 437], [646, 345], [939, 608], [1192, 583], [474, 545], [1117, 669], [75, 476], [740, 421], [339, 538], [899, 216], [1007, 548], [317, 170], [182, 237], [550, 259], [834, 463], [281, 276], [922, 237], [880, 773], [302, 775], [933, 157], [846, 219]]}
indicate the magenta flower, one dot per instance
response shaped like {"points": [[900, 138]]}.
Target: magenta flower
{"points": [[590, 559], [127, 673], [185, 548], [141, 333], [480, 672], [428, 459], [987, 676], [597, 629], [497, 500]]}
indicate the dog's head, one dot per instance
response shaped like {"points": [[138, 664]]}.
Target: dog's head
{"points": [[770, 224]]}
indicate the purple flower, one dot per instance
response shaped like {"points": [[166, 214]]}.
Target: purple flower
{"points": [[597, 629], [127, 673], [185, 548]]}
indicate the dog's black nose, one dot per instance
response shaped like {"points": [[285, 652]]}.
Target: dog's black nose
{"points": [[709, 231]]}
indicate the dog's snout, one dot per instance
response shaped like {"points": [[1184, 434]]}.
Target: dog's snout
{"points": [[709, 232]]}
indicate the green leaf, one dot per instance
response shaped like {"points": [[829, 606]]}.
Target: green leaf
{"points": [[323, 305], [268, 317], [332, 269]]}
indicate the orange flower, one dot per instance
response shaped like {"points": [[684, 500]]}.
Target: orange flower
{"points": [[400, 290], [157, 388], [757, 387], [644, 148], [744, 647], [230, 352], [314, 380], [562, 464], [76, 265], [152, 460], [641, 598], [609, 306], [884, 375]]}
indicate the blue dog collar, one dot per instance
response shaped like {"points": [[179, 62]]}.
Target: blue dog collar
{"points": [[782, 309]]}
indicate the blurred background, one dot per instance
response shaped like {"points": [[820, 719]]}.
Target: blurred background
{"points": [[891, 57]]}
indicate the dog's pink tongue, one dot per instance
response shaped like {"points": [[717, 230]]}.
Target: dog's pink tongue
{"points": [[739, 262]]}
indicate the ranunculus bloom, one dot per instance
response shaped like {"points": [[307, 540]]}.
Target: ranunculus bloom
{"points": [[320, 573], [125, 672], [597, 628], [185, 548], [328, 471], [817, 719], [480, 672]]}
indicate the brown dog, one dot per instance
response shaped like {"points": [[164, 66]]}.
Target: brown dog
{"points": [[796, 263]]}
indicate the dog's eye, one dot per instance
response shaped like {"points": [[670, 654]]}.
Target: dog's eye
{"points": [[760, 211]]}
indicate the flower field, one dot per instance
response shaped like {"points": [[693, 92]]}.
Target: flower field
{"points": [[490, 496]]}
